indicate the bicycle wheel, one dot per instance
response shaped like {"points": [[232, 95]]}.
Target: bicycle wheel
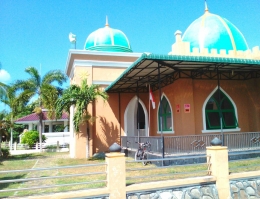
{"points": [[144, 158]]}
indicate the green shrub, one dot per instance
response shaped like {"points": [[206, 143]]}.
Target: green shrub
{"points": [[5, 152], [31, 138]]}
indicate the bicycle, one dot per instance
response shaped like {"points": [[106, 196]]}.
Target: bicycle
{"points": [[142, 152]]}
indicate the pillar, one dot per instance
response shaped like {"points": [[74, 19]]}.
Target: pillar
{"points": [[30, 126], [50, 127], [116, 178], [219, 168]]}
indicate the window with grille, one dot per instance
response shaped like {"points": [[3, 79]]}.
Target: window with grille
{"points": [[220, 106], [165, 115]]}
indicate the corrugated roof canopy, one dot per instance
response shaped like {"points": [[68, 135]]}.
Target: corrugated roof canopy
{"points": [[149, 69]]}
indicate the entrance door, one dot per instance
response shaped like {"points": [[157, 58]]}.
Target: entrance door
{"points": [[132, 116]]}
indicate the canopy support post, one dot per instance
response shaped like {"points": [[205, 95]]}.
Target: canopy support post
{"points": [[138, 111], [220, 111], [119, 115], [160, 112]]}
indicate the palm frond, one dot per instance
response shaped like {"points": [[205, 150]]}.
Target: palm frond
{"points": [[3, 92], [35, 76], [80, 96], [54, 76]]}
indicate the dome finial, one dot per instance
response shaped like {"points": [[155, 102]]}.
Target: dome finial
{"points": [[206, 7], [107, 22]]}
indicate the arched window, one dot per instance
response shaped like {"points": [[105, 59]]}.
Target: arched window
{"points": [[166, 115], [217, 105]]}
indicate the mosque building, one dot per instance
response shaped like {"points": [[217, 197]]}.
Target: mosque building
{"points": [[208, 83]]}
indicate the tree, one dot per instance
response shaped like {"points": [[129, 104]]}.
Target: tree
{"points": [[2, 90], [15, 101], [31, 137], [80, 96], [4, 125], [44, 89]]}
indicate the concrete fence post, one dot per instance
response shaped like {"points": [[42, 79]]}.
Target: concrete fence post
{"points": [[116, 177], [36, 146], [219, 168]]}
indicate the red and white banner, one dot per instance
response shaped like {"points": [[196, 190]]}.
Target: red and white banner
{"points": [[152, 99]]}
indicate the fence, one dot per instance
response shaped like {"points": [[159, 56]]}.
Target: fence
{"points": [[19, 146], [120, 181], [194, 143], [53, 178], [165, 170]]}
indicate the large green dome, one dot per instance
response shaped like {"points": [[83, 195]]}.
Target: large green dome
{"points": [[214, 32], [108, 39]]}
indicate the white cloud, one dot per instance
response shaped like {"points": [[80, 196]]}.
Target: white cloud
{"points": [[4, 76]]}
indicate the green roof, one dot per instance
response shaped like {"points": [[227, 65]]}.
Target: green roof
{"points": [[218, 33], [145, 71], [108, 39]]}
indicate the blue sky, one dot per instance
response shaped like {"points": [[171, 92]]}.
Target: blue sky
{"points": [[35, 32]]}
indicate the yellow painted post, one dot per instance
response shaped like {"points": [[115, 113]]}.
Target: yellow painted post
{"points": [[219, 169], [116, 178]]}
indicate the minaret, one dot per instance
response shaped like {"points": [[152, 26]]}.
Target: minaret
{"points": [[206, 7], [107, 25]]}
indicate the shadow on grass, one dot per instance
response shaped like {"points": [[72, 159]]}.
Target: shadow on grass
{"points": [[13, 177], [25, 156], [96, 158], [29, 156]]}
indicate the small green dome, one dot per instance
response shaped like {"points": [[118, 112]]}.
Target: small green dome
{"points": [[108, 39], [214, 32]]}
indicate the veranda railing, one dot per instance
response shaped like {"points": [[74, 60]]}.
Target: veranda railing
{"points": [[194, 143]]}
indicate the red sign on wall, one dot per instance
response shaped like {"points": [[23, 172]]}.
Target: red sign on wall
{"points": [[186, 108], [178, 108]]}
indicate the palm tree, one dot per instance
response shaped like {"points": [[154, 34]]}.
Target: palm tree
{"points": [[79, 96], [15, 101], [4, 125], [2, 87], [2, 90], [44, 89]]}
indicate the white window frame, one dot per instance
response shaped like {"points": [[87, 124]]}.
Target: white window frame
{"points": [[135, 98]]}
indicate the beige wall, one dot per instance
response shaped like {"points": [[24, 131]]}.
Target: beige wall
{"points": [[106, 74]]}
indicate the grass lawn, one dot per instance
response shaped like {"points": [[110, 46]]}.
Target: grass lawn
{"points": [[43, 160], [150, 172]]}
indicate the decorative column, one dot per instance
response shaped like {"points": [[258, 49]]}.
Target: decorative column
{"points": [[116, 178], [50, 127], [219, 167], [30, 126]]}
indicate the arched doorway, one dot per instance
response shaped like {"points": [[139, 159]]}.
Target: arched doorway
{"points": [[131, 118]]}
